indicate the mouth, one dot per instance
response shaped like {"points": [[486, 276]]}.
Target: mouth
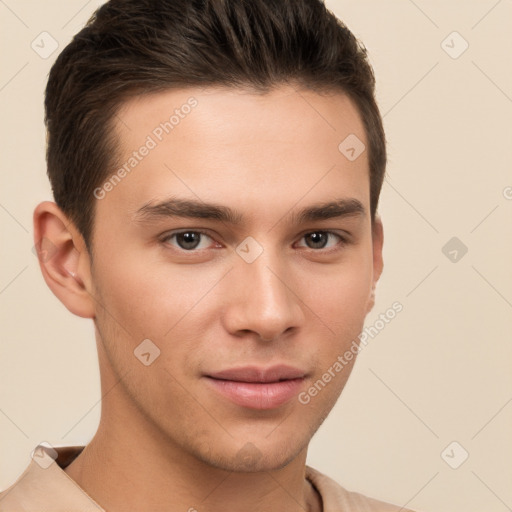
{"points": [[258, 388]]}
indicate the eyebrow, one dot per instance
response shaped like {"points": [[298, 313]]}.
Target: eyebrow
{"points": [[188, 208]]}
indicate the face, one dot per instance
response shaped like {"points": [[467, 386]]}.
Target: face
{"points": [[218, 246]]}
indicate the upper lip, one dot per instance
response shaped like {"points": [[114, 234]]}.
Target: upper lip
{"points": [[259, 374]]}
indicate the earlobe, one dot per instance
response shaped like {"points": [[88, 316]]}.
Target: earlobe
{"points": [[371, 300], [63, 259]]}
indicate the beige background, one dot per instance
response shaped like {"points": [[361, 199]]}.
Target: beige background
{"points": [[438, 373]]}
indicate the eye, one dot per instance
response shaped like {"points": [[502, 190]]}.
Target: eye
{"points": [[188, 240], [319, 239]]}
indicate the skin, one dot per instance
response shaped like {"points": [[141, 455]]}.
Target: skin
{"points": [[166, 439]]}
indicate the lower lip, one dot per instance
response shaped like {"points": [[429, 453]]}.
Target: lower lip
{"points": [[258, 395]]}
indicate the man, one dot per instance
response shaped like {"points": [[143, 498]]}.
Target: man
{"points": [[216, 168]]}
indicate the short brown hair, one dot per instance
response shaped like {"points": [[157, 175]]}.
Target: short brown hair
{"points": [[132, 47]]}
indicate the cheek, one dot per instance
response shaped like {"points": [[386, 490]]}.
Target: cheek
{"points": [[339, 296], [338, 300], [148, 296], [171, 307]]}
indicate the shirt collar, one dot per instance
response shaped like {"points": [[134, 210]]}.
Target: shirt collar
{"points": [[45, 483]]}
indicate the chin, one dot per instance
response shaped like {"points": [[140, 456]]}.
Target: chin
{"points": [[252, 459]]}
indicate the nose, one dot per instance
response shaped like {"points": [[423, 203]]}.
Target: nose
{"points": [[262, 300]]}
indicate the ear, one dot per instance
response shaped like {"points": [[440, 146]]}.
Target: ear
{"points": [[378, 263], [64, 259]]}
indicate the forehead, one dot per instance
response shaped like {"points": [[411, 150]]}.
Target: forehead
{"points": [[216, 112], [238, 146]]}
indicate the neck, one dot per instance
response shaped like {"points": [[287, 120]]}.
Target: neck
{"points": [[137, 468], [134, 477]]}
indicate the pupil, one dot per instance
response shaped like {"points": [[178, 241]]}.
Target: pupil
{"points": [[189, 240], [318, 238]]}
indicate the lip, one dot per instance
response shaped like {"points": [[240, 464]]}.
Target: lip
{"points": [[258, 388], [259, 374]]}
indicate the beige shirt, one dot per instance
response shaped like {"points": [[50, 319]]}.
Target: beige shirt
{"points": [[45, 487]]}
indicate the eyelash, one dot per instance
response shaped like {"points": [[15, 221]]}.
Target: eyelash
{"points": [[343, 241]]}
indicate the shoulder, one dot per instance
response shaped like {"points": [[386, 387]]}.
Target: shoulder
{"points": [[336, 498], [45, 486]]}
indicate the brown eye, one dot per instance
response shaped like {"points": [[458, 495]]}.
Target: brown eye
{"points": [[317, 240], [188, 240], [320, 239]]}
